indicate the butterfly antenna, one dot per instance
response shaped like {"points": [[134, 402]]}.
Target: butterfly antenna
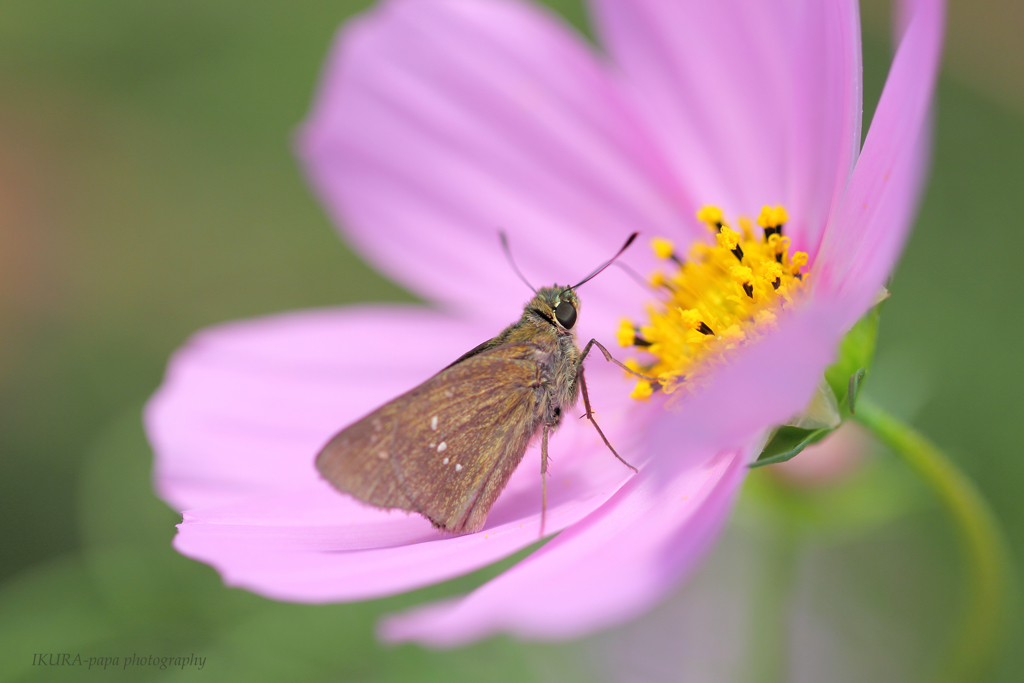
{"points": [[607, 263], [512, 261], [640, 280]]}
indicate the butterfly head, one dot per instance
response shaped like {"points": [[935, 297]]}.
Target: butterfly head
{"points": [[558, 305]]}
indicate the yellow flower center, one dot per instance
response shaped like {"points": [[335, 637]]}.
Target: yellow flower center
{"points": [[720, 296]]}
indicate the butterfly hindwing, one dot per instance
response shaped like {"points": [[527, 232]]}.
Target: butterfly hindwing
{"points": [[447, 448]]}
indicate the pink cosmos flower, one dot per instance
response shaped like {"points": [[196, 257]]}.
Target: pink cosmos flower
{"points": [[439, 122]]}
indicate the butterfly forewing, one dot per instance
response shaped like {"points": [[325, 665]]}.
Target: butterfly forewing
{"points": [[447, 448]]}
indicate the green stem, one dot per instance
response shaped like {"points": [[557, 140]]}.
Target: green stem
{"points": [[987, 608], [769, 639]]}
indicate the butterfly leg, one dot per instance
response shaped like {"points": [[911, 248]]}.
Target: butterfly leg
{"points": [[543, 479], [611, 359], [590, 413]]}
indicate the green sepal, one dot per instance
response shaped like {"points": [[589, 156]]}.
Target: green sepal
{"points": [[787, 442], [854, 387], [856, 351]]}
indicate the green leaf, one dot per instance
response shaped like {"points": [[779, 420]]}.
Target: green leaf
{"points": [[787, 442]]}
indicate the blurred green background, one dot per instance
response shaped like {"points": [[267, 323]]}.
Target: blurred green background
{"points": [[147, 189]]}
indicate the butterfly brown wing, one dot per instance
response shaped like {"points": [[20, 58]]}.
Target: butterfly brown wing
{"points": [[447, 448]]}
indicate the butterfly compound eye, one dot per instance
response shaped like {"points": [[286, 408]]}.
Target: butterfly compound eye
{"points": [[565, 314]]}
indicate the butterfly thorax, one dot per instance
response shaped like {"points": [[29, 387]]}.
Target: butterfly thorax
{"points": [[557, 352]]}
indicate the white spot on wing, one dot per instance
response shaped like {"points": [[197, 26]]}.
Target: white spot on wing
{"points": [[445, 461], [433, 424], [458, 468], [441, 446]]}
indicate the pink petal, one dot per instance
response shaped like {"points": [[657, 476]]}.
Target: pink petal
{"points": [[316, 545], [620, 560], [864, 241], [607, 569], [439, 122], [754, 102], [246, 407]]}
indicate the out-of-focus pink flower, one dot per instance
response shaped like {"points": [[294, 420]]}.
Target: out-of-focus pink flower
{"points": [[439, 122]]}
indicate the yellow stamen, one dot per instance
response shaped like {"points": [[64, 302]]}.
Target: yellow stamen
{"points": [[728, 238], [799, 260], [690, 318], [746, 229], [626, 334], [772, 216], [642, 391], [741, 274], [711, 215], [663, 248], [725, 293]]}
